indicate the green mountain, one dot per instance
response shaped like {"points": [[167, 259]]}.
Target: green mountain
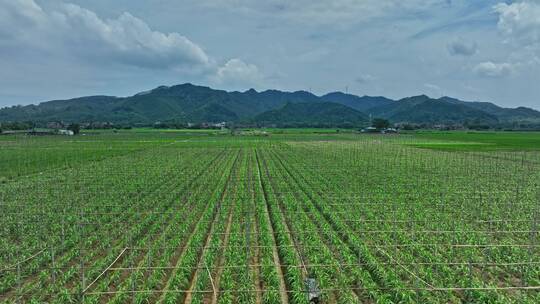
{"points": [[183, 103], [425, 110], [78, 109], [190, 103], [319, 114], [503, 114]]}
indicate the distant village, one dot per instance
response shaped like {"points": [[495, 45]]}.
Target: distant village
{"points": [[378, 125], [70, 129]]}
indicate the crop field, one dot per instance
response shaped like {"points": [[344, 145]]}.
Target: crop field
{"points": [[206, 217]]}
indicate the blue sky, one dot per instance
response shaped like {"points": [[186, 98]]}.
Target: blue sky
{"points": [[474, 50]]}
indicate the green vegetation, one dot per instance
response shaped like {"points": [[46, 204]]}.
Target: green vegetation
{"points": [[75, 128], [479, 141], [324, 114], [380, 123], [192, 216]]}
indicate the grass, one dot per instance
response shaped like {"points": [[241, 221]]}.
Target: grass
{"points": [[478, 141]]}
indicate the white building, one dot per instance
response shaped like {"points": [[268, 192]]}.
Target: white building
{"points": [[66, 132]]}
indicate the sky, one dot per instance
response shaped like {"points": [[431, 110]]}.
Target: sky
{"points": [[481, 50]]}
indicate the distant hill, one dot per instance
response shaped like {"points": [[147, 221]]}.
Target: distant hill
{"points": [[422, 109], [425, 110], [191, 103], [503, 114], [184, 103], [321, 114], [78, 109]]}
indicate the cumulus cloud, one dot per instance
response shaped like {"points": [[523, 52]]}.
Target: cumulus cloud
{"points": [[16, 17], [492, 69], [460, 47], [130, 40], [236, 72], [520, 21], [79, 32]]}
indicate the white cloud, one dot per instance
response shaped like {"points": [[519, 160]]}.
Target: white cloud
{"points": [[492, 69], [520, 21], [460, 47], [79, 32], [27, 9], [237, 73], [18, 16]]}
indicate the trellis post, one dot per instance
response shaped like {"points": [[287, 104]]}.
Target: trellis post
{"points": [[53, 266], [19, 287], [81, 255]]}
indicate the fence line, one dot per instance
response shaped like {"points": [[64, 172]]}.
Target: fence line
{"points": [[13, 266], [447, 289], [104, 271]]}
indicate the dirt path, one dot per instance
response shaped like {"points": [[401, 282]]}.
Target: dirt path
{"points": [[255, 259], [257, 282], [200, 264], [222, 259]]}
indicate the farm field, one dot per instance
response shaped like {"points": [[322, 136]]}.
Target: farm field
{"points": [[143, 216], [480, 141]]}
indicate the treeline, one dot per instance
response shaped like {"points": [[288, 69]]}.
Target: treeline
{"points": [[17, 126], [320, 125], [28, 125]]}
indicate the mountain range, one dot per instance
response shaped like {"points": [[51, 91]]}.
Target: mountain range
{"points": [[197, 104]]}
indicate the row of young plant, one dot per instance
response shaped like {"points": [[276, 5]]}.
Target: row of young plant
{"points": [[35, 202], [506, 237], [163, 228], [207, 276], [162, 244], [22, 156], [294, 276], [187, 266], [67, 263], [359, 281], [165, 246], [313, 248], [396, 287], [325, 186], [271, 281], [69, 245], [393, 233], [235, 283], [41, 205]]}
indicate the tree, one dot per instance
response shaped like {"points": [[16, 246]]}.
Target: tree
{"points": [[75, 128], [380, 123]]}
